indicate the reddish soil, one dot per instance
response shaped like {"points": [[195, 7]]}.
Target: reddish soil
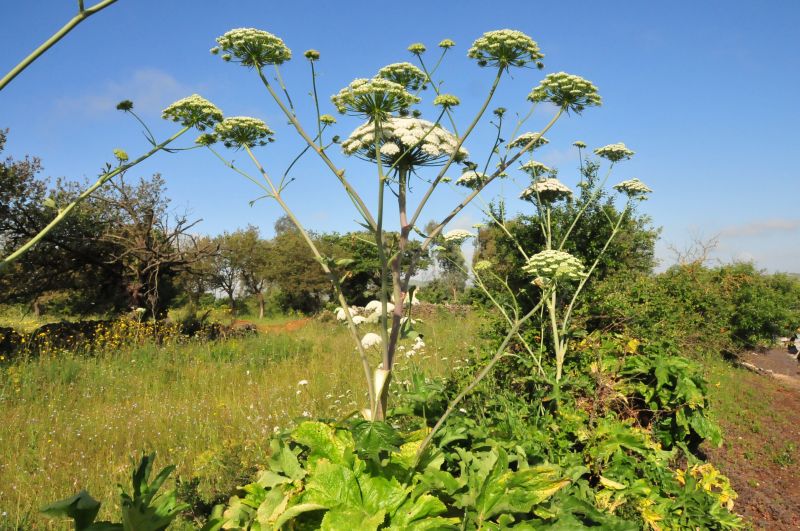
{"points": [[760, 455], [289, 326]]}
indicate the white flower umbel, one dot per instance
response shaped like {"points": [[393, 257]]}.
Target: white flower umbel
{"points": [[446, 101], [570, 92], [373, 306], [534, 168], [359, 319], [633, 188], [458, 236], [426, 144], [341, 315], [252, 47], [239, 131], [405, 74], [555, 265], [193, 111], [525, 138], [505, 48], [546, 190], [614, 152], [472, 179], [373, 98], [370, 339]]}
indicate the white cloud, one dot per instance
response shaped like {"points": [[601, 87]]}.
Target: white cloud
{"points": [[150, 90], [760, 228]]}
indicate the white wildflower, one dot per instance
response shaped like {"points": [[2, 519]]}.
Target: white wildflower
{"points": [[535, 168], [472, 179], [570, 92], [193, 111], [410, 142], [370, 339], [252, 47], [240, 131], [404, 74], [458, 236], [633, 188], [555, 265], [374, 98], [614, 152], [546, 190], [526, 138], [505, 48]]}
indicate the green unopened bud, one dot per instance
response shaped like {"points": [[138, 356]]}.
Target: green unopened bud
{"points": [[446, 101], [125, 105], [417, 48], [311, 55], [120, 155], [206, 139]]}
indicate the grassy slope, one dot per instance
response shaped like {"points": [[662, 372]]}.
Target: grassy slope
{"points": [[77, 422], [759, 417]]}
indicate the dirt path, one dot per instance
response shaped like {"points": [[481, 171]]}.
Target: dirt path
{"points": [[762, 441], [289, 326], [777, 363]]}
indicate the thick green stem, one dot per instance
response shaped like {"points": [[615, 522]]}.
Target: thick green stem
{"points": [[557, 344], [351, 192], [63, 213], [382, 400], [316, 101], [453, 213], [480, 376], [589, 201], [436, 88], [82, 15], [461, 140], [583, 281], [330, 274]]}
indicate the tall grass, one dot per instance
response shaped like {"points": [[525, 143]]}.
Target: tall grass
{"points": [[73, 422]]}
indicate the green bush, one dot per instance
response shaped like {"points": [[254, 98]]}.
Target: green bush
{"points": [[699, 309]]}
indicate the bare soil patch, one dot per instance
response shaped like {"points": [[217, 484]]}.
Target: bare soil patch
{"points": [[761, 425]]}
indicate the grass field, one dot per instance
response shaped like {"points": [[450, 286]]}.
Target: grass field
{"points": [[76, 422]]}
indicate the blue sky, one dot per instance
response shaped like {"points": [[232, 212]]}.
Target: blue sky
{"points": [[702, 91]]}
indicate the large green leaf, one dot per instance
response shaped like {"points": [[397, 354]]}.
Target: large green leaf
{"points": [[352, 519], [494, 489], [324, 441], [421, 514], [147, 509], [285, 461], [374, 438], [82, 508], [332, 485]]}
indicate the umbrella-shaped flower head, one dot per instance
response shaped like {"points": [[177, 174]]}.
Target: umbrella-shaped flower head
{"points": [[252, 47], [570, 92], [505, 48]]}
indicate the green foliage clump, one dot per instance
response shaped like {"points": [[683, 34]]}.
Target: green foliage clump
{"points": [[700, 309], [144, 509], [617, 452]]}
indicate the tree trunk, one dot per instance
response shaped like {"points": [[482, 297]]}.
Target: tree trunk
{"points": [[232, 303], [260, 297]]}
